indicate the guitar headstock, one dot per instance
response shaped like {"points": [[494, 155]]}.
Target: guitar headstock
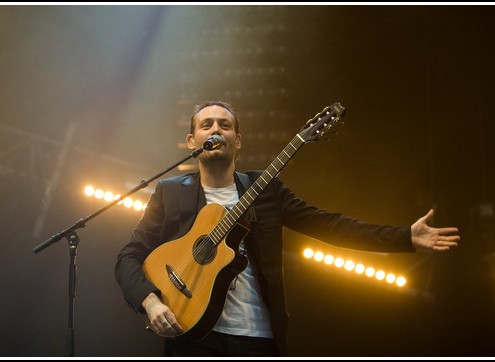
{"points": [[323, 124]]}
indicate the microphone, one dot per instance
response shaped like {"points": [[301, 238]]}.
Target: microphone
{"points": [[213, 142]]}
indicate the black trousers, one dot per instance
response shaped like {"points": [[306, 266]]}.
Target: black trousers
{"points": [[217, 344]]}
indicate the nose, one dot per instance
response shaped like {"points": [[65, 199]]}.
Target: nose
{"points": [[215, 128]]}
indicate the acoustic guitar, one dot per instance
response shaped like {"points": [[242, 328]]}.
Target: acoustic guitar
{"points": [[194, 272]]}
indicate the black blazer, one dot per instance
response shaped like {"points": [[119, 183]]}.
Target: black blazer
{"points": [[173, 207]]}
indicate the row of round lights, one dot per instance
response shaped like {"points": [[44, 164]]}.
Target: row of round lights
{"points": [[100, 194], [350, 266]]}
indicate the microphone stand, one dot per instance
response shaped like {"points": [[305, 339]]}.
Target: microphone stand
{"points": [[73, 240]]}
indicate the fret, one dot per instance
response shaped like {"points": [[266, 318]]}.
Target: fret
{"points": [[293, 146], [222, 228], [255, 191], [249, 196], [215, 237], [242, 202]]}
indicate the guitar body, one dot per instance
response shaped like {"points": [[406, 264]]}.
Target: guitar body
{"points": [[194, 278]]}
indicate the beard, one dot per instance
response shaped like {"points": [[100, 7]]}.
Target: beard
{"points": [[216, 159]]}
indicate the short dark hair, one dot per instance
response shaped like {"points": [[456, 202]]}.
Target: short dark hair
{"points": [[225, 105]]}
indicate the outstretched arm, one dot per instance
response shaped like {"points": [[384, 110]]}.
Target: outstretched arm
{"points": [[426, 237]]}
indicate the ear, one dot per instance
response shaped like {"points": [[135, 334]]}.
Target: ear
{"points": [[238, 141], [190, 142]]}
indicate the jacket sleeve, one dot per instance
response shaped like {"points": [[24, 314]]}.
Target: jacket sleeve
{"points": [[338, 229], [144, 238]]}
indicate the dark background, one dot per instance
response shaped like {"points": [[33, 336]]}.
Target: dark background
{"points": [[102, 95]]}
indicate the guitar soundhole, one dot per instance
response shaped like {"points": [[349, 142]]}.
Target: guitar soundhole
{"points": [[204, 250]]}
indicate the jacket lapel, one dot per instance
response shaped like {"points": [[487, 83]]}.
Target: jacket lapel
{"points": [[242, 182], [191, 201]]}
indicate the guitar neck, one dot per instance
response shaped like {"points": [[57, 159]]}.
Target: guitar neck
{"points": [[231, 218], [321, 125]]}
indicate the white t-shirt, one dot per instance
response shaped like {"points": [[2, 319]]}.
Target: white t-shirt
{"points": [[244, 312]]}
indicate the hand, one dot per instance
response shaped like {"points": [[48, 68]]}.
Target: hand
{"points": [[162, 320], [431, 238]]}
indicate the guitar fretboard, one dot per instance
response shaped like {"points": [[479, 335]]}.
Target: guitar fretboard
{"points": [[231, 218]]}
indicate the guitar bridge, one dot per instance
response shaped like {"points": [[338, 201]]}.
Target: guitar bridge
{"points": [[177, 281]]}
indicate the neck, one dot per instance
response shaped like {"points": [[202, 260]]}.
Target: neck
{"points": [[217, 175]]}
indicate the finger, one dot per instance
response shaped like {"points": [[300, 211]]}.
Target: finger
{"points": [[173, 321], [441, 248], [166, 329], [449, 230], [169, 330], [160, 325], [158, 329], [428, 216], [446, 232], [449, 238], [446, 243], [176, 327]]}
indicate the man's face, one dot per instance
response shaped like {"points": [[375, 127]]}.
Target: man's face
{"points": [[215, 120]]}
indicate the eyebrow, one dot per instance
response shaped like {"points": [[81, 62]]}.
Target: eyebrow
{"points": [[215, 119]]}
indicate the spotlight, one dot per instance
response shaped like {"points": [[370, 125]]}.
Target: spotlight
{"points": [[89, 190], [370, 271], [98, 193], [138, 205], [380, 275], [318, 256], [349, 265], [390, 278], [401, 281], [339, 262], [329, 259], [128, 202], [109, 196], [359, 269], [308, 253]]}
